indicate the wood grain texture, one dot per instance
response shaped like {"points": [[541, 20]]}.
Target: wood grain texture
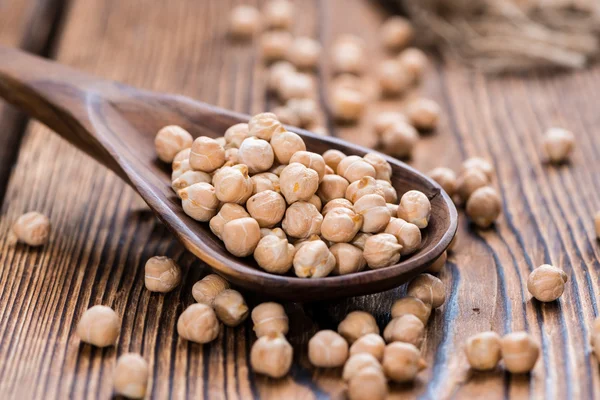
{"points": [[103, 233]]}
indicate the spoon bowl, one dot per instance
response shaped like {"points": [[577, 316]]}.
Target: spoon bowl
{"points": [[116, 125]]}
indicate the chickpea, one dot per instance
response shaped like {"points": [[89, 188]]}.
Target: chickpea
{"points": [[228, 212], [376, 215], [198, 323], [341, 224], [546, 283], [413, 306], [170, 140], [481, 164], [257, 154], [446, 178], [277, 170], [396, 32], [428, 289], [408, 235], [302, 220], [274, 44], [313, 260], [278, 14], [310, 160], [244, 21], [327, 349], [363, 187], [130, 378], [333, 158], [368, 384], [188, 178], [360, 239], [99, 326], [348, 55], [357, 362], [199, 201], [483, 351], [406, 328], [274, 254], [357, 324], [277, 72], [271, 355], [484, 207], [558, 144], [267, 208], [315, 201], [354, 168], [399, 140], [277, 232], [221, 140], [233, 184], [348, 259], [402, 362], [285, 144], [437, 266], [265, 181], [520, 352], [295, 85], [332, 187], [269, 318], [335, 203], [381, 250], [307, 111], [304, 53], [423, 114], [469, 181], [394, 78], [162, 274], [347, 105], [389, 193], [371, 343], [595, 340], [179, 168], [414, 61], [384, 120], [32, 228], [241, 236], [206, 290], [230, 307], [235, 135], [182, 155], [415, 208], [207, 154], [383, 169], [393, 209], [264, 126]]}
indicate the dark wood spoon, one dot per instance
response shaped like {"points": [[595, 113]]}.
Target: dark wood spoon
{"points": [[116, 125]]}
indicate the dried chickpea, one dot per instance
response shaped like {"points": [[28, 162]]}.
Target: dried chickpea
{"points": [[362, 187], [519, 352], [348, 55], [315, 201], [481, 164], [406, 328], [277, 170], [327, 349], [399, 140], [256, 154], [415, 208], [228, 212], [332, 187], [298, 182], [413, 60], [271, 355], [357, 362], [231, 156], [241, 236], [278, 14], [199, 201], [329, 170], [547, 283], [130, 378], [313, 260], [310, 160], [277, 72], [171, 140], [370, 343], [269, 318], [469, 181], [278, 232], [396, 32], [275, 44], [423, 114], [302, 220], [383, 169], [244, 21], [483, 351], [389, 193], [295, 85], [381, 250], [595, 340], [221, 140], [198, 323], [360, 239], [376, 215], [206, 290], [182, 155], [446, 178], [408, 235], [484, 206], [230, 307], [286, 115], [285, 144], [274, 254], [307, 111], [428, 289], [411, 305], [161, 274], [384, 120], [99, 326], [264, 126], [207, 154], [357, 324], [340, 225], [179, 168], [32, 228], [437, 266], [333, 158], [304, 53], [402, 362], [393, 209], [394, 78], [188, 178], [235, 135], [368, 384], [267, 208], [354, 168], [348, 259], [335, 203], [265, 181], [233, 184], [558, 144], [347, 105]]}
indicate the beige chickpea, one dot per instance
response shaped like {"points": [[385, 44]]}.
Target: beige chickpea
{"points": [[199, 201], [469, 181], [316, 201], [32, 228], [333, 157], [413, 306], [381, 250], [348, 259], [269, 318], [408, 235], [307, 111], [595, 338], [182, 155], [267, 208], [233, 184], [423, 114], [481, 164], [332, 187], [264, 126], [415, 208], [428, 289], [275, 44], [376, 215], [484, 206], [179, 168], [298, 183], [393, 209], [228, 212], [277, 72], [519, 352], [221, 140], [161, 274], [335, 203], [235, 135], [285, 144], [348, 55], [407, 328], [188, 178], [413, 60], [310, 160], [399, 140], [354, 168], [371, 343], [357, 324], [340, 225], [198, 323], [483, 351], [130, 378], [369, 383], [327, 349], [277, 232], [286, 115], [205, 290], [396, 32], [313, 260], [274, 254], [304, 52], [278, 14], [558, 144], [207, 154], [230, 307], [357, 362], [389, 193], [271, 355], [437, 266], [302, 220], [446, 178], [276, 170], [241, 236], [295, 85], [99, 326], [360, 239], [171, 140], [347, 105], [244, 21], [362, 187], [256, 154], [265, 181], [546, 283], [394, 78], [402, 362], [383, 169], [384, 120]]}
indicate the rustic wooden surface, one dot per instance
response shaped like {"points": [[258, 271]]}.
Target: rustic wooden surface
{"points": [[103, 233]]}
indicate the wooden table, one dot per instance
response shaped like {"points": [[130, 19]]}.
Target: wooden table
{"points": [[103, 233]]}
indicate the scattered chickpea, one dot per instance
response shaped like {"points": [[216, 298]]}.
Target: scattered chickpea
{"points": [[347, 105], [348, 259], [360, 239], [313, 260], [519, 352], [415, 208], [446, 178], [408, 235], [228, 212], [376, 215], [335, 203], [428, 289], [547, 283], [198, 323], [235, 135], [362, 187], [414, 61], [332, 187], [340, 225], [267, 208], [406, 328], [269, 318], [230, 307], [32, 228], [384, 120], [327, 349], [188, 178], [396, 32], [277, 72], [161, 274], [484, 206], [199, 201], [595, 340], [233, 184], [399, 140], [265, 181], [370, 343], [285, 144], [423, 114], [256, 154], [394, 78], [483, 351], [278, 14], [130, 378], [354, 168], [383, 169], [481, 164], [244, 21], [307, 111], [402, 362], [389, 193], [295, 85], [357, 324], [368, 384], [381, 250], [264, 126], [241, 236], [304, 53], [333, 158], [207, 289], [357, 362], [558, 144], [437, 266], [271, 355], [411, 305], [207, 154], [275, 44], [302, 220], [274, 254], [171, 140], [348, 55], [99, 326], [469, 181]]}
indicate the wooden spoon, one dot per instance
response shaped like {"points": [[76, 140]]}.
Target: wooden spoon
{"points": [[116, 125]]}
